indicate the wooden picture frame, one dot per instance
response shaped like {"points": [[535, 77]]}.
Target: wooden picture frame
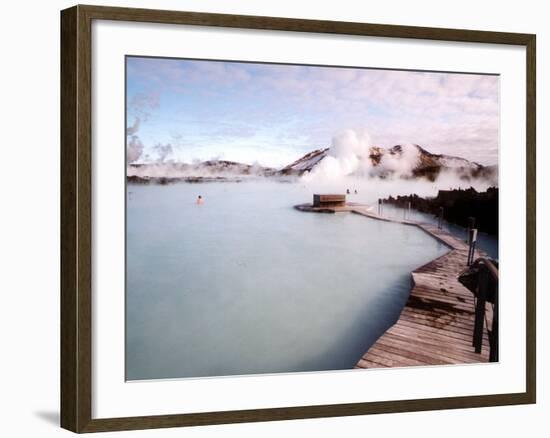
{"points": [[76, 217]]}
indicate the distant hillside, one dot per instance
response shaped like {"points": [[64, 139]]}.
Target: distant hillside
{"points": [[383, 163], [205, 171], [427, 165]]}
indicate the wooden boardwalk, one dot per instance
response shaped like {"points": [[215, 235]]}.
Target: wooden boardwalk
{"points": [[437, 323]]}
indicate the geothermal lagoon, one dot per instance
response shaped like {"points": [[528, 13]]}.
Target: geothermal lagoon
{"points": [[246, 284], [243, 283]]}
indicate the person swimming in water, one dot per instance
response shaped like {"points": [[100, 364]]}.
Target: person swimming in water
{"points": [[200, 200]]}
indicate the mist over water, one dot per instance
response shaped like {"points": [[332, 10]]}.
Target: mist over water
{"points": [[369, 190], [245, 284]]}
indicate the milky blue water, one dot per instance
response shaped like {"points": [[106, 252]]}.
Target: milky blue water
{"points": [[245, 284]]}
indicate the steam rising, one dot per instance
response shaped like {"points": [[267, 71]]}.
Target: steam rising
{"points": [[403, 163], [163, 151], [131, 130], [351, 163], [134, 149], [141, 106], [350, 154], [134, 146]]}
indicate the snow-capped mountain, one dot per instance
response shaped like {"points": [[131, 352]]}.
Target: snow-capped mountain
{"points": [[410, 161], [306, 163]]}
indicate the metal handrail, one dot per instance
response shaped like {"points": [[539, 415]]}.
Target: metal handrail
{"points": [[490, 272]]}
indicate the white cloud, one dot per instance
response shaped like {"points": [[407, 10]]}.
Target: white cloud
{"points": [[456, 114]]}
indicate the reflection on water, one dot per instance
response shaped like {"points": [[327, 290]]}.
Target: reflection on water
{"points": [[485, 242], [245, 284]]}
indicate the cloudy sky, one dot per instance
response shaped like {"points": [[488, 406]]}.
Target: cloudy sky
{"points": [[273, 114]]}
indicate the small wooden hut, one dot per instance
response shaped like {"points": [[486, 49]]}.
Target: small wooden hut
{"points": [[329, 200]]}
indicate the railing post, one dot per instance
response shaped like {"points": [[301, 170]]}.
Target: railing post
{"points": [[472, 238], [480, 309], [493, 355], [440, 220], [471, 224]]}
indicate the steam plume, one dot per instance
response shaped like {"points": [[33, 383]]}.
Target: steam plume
{"points": [[351, 153], [131, 130], [163, 150], [134, 149]]}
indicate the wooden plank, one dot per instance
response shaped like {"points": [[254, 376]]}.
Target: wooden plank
{"points": [[461, 337], [379, 353], [445, 349], [387, 361], [437, 316], [464, 318], [428, 323], [435, 350], [461, 345], [418, 334], [408, 352], [437, 300]]}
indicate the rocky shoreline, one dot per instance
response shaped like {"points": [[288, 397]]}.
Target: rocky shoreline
{"points": [[458, 206], [165, 180]]}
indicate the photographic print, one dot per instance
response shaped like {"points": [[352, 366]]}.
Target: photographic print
{"points": [[303, 218]]}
